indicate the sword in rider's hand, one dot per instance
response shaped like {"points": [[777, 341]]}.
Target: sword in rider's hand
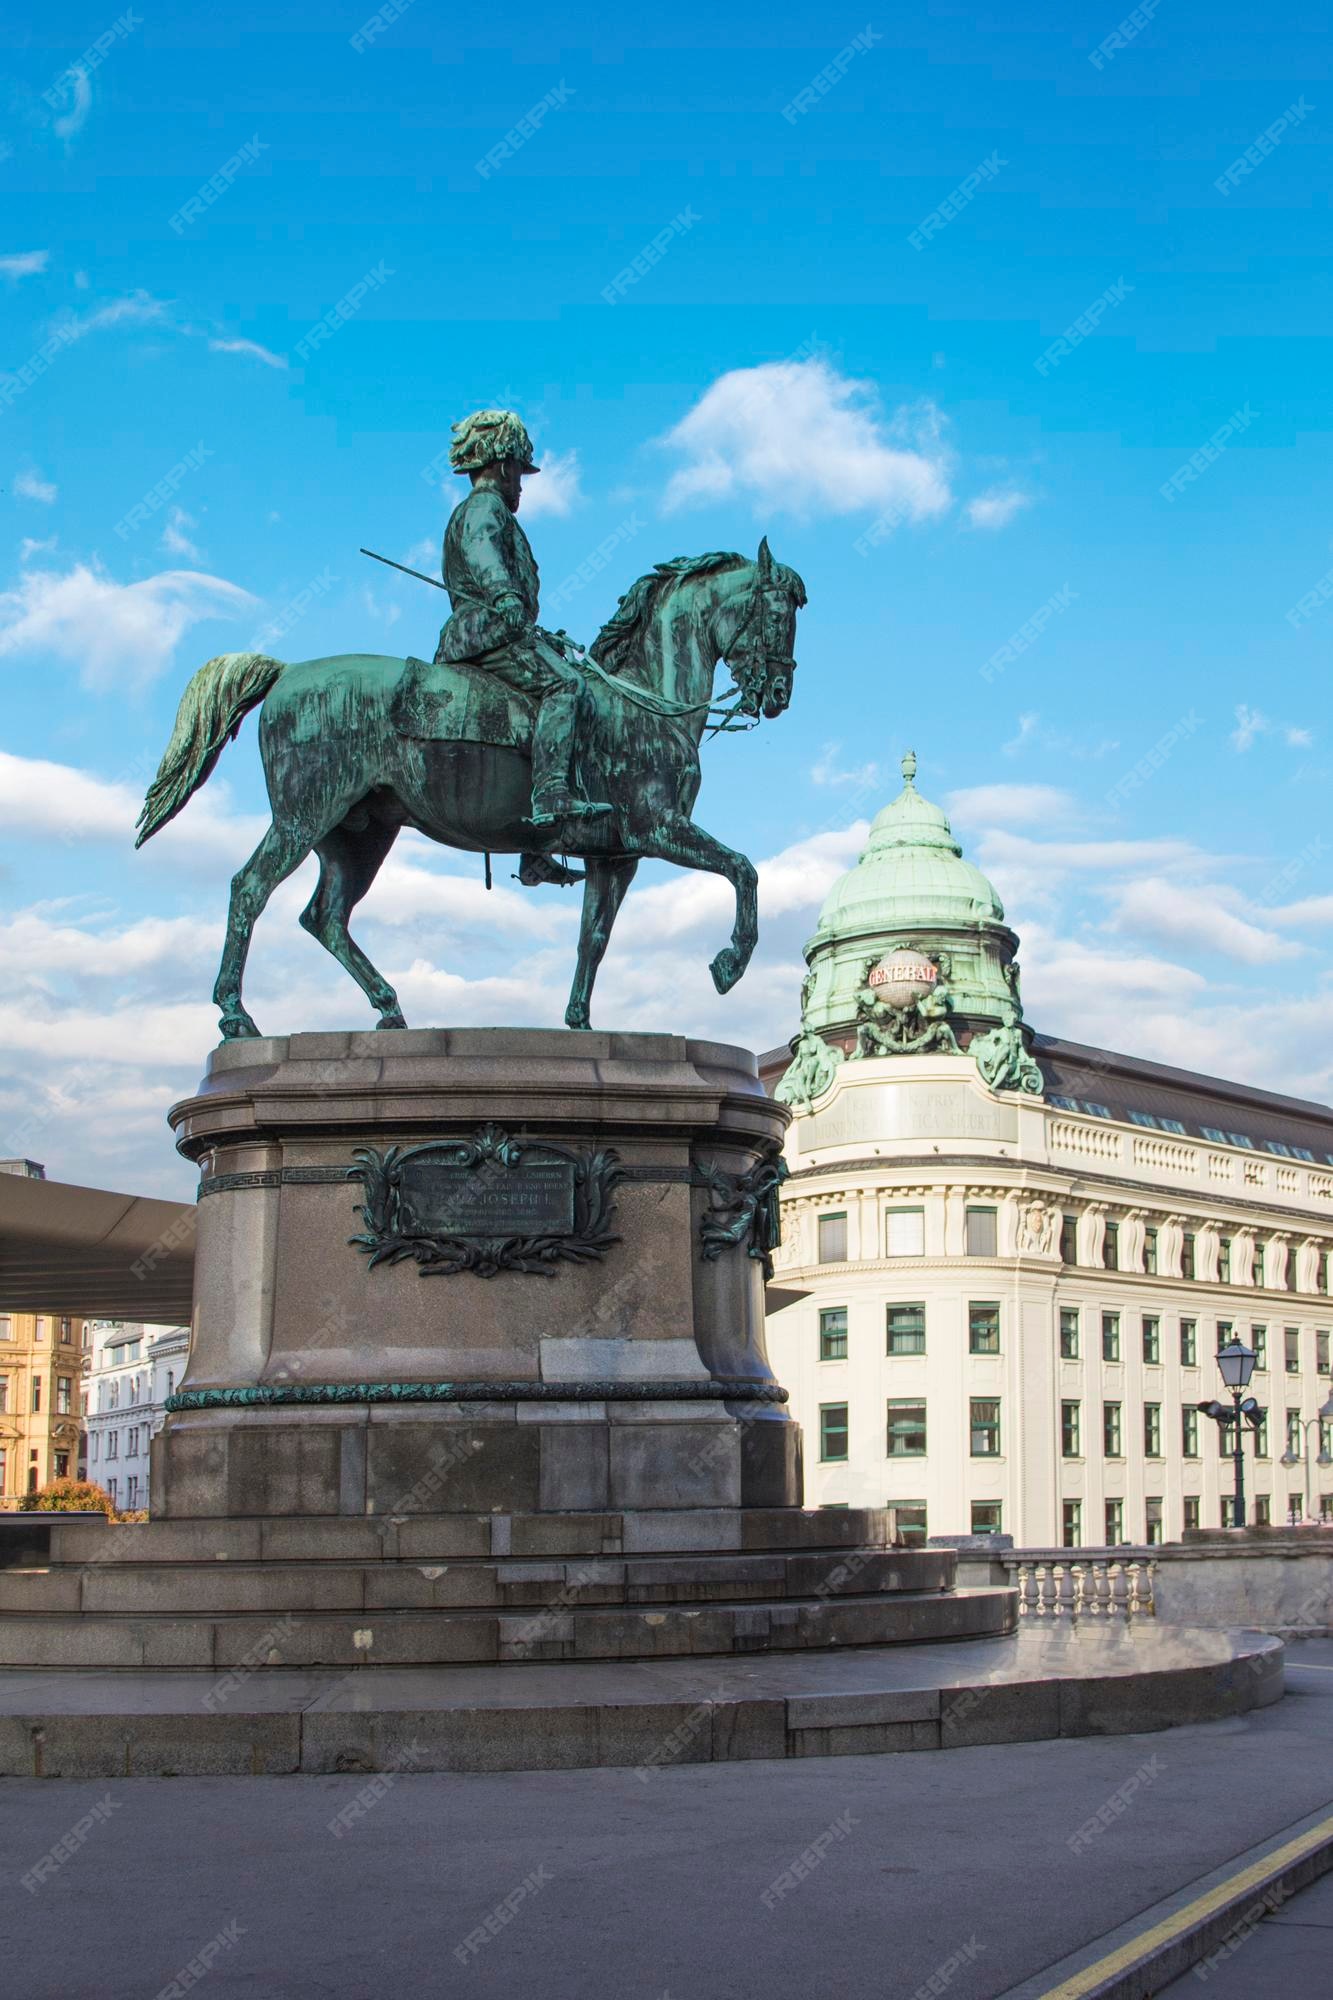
{"points": [[418, 573]]}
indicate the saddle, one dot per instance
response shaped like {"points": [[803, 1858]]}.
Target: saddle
{"points": [[459, 703]]}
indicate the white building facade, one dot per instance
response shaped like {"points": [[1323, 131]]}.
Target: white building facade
{"points": [[134, 1369], [997, 1308]]}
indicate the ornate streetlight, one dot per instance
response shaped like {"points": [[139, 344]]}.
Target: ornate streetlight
{"points": [[1236, 1362], [1323, 1416]]}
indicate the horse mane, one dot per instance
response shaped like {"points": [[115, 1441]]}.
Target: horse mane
{"points": [[613, 645]]}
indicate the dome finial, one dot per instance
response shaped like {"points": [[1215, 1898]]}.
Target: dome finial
{"points": [[909, 766]]}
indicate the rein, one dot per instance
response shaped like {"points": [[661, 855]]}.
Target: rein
{"points": [[660, 704]]}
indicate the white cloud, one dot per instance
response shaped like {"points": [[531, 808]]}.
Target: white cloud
{"points": [[24, 263], [1027, 729], [798, 437], [175, 539], [556, 489], [138, 308], [1090, 856], [825, 771], [40, 798], [997, 509], [112, 632], [1186, 916], [250, 347], [1252, 723], [1009, 805], [29, 547], [30, 485], [76, 117]]}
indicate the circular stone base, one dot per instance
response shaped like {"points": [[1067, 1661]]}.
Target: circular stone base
{"points": [[1057, 1680]]}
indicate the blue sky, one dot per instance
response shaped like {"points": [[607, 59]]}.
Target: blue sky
{"points": [[807, 356]]}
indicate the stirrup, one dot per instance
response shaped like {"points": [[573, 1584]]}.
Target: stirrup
{"points": [[558, 805]]}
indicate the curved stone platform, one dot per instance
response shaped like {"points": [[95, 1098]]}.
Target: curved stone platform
{"points": [[1071, 1680]]}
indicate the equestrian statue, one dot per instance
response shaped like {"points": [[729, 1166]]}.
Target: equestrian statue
{"points": [[513, 740]]}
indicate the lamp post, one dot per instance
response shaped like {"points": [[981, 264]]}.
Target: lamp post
{"points": [[1236, 1362], [1323, 1416]]}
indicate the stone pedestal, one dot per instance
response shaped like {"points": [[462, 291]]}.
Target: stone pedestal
{"points": [[556, 1301]]}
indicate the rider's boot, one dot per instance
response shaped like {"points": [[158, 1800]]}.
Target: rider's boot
{"points": [[553, 794], [536, 869]]}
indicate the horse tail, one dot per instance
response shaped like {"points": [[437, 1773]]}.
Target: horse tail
{"points": [[212, 709]]}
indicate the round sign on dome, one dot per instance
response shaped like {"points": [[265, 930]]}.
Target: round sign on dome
{"points": [[904, 978]]}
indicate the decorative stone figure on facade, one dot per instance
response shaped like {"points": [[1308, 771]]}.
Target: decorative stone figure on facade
{"points": [[902, 1007], [1003, 1058], [810, 1072], [1038, 1229], [480, 750]]}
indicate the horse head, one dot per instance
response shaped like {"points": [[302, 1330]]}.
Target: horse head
{"points": [[759, 652]]}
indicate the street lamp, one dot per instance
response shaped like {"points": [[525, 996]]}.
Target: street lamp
{"points": [[1323, 1416], [1236, 1362]]}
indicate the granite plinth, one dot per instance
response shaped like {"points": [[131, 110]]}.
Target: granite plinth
{"points": [[607, 1352]]}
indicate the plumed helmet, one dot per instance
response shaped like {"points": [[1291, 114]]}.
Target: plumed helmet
{"points": [[486, 437]]}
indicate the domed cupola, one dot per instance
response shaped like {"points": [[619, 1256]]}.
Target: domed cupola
{"points": [[911, 956]]}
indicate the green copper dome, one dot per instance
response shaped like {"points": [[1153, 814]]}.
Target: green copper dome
{"points": [[912, 956], [912, 872]]}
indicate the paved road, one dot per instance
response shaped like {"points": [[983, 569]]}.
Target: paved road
{"points": [[1289, 1956], [968, 1865]]}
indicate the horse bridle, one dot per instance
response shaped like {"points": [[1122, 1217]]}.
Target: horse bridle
{"points": [[751, 666]]}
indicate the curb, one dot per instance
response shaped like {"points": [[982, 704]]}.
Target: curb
{"points": [[1213, 1915]]}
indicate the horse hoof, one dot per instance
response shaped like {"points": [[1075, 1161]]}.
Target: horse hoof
{"points": [[238, 1028], [393, 1019], [726, 970], [574, 1018]]}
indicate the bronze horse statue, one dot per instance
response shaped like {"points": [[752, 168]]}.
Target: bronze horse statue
{"points": [[349, 760]]}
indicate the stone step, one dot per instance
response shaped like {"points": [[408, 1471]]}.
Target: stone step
{"points": [[503, 1583], [450, 1537], [242, 1642]]}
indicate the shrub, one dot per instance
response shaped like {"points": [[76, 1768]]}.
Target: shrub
{"points": [[69, 1496]]}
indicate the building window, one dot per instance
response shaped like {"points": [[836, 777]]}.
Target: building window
{"points": [[1152, 1510], [113, 1444], [833, 1239], [1069, 1333], [1150, 1252], [65, 1329], [36, 1392], [1326, 1437], [1259, 1342], [1257, 1267], [1187, 1254], [1191, 1506], [1152, 1430], [6, 1327], [983, 1328], [1115, 1523], [1189, 1433], [1071, 1442], [1189, 1343], [1321, 1271], [1294, 1437], [909, 1522], [64, 1394], [132, 1492], [981, 1239], [1113, 1444], [1325, 1504], [1260, 1435], [1110, 1336], [1111, 1247], [905, 1232], [1293, 1279], [906, 1330], [1263, 1511], [4, 1465], [1291, 1342], [1224, 1260], [1321, 1353], [95, 1438], [906, 1429], [62, 1464], [1071, 1524], [985, 1427], [4, 1394], [1152, 1339], [1069, 1239], [986, 1517], [832, 1432], [832, 1336], [39, 1330], [113, 1395]]}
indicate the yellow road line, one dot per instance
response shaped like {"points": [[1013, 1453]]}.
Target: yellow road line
{"points": [[1184, 1919]]}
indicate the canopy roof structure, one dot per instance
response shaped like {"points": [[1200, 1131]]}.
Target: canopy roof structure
{"points": [[93, 1253]]}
